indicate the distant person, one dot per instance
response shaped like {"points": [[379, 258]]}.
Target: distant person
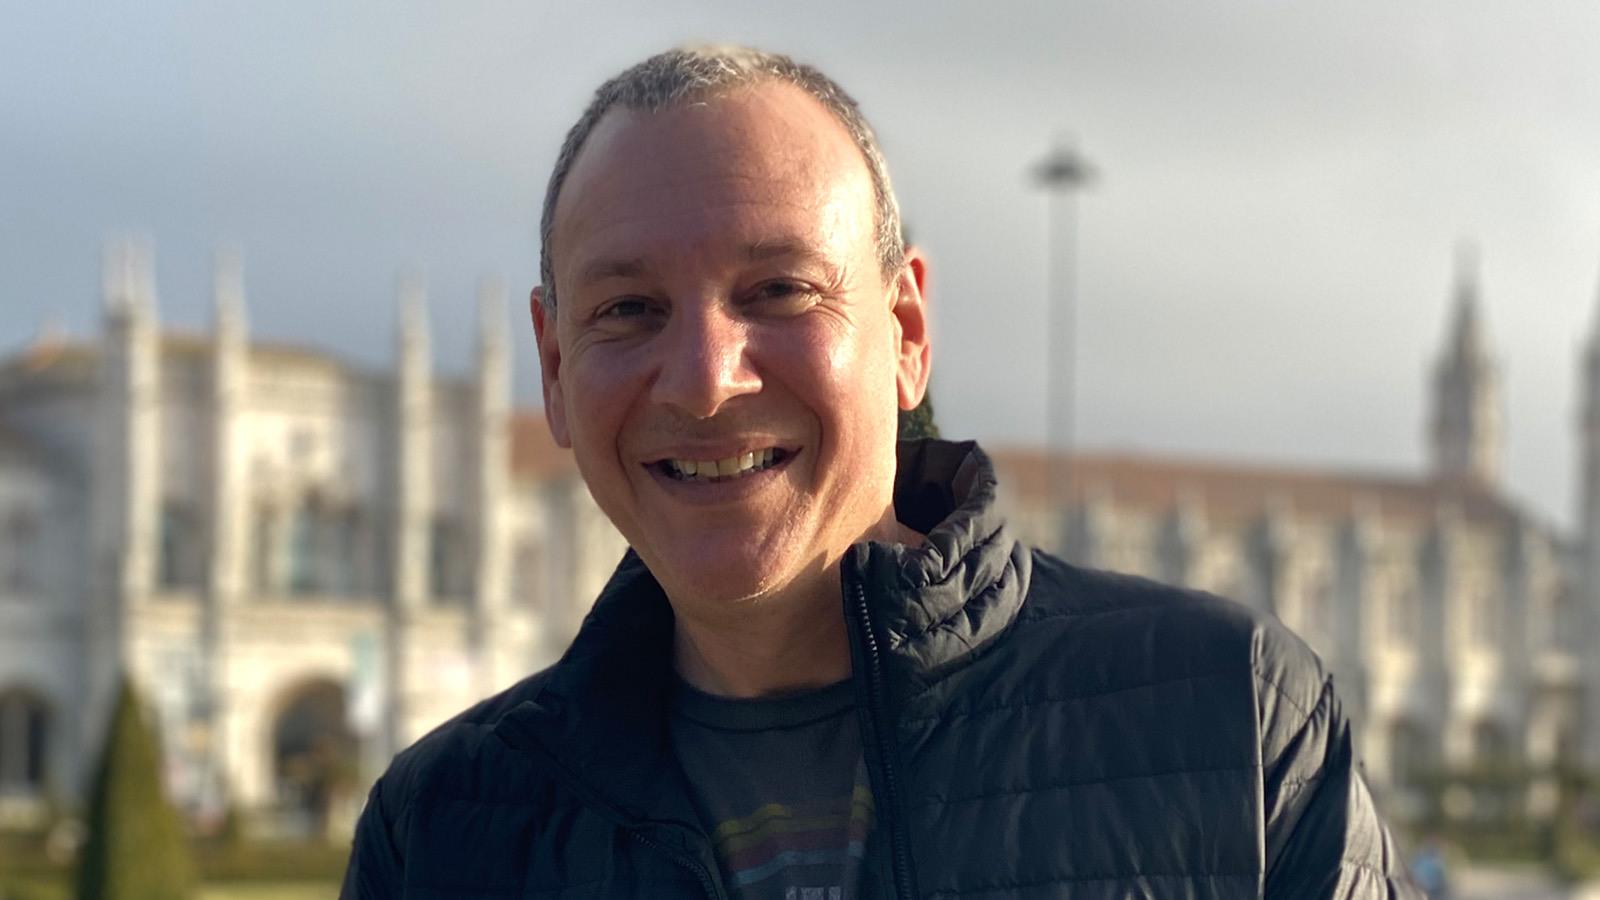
{"points": [[826, 669], [1430, 870]]}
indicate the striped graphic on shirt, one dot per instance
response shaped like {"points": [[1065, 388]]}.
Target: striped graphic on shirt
{"points": [[778, 836]]}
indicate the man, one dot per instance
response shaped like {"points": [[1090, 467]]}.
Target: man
{"points": [[825, 671]]}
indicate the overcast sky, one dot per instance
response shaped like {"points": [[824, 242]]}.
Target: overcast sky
{"points": [[1266, 262]]}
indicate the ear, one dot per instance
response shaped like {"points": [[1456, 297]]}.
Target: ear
{"points": [[910, 312], [544, 335]]}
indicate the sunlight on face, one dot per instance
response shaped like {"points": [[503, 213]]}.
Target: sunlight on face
{"points": [[726, 360]]}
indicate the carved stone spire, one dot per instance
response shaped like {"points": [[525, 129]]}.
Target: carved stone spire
{"points": [[128, 278], [414, 421], [228, 292], [492, 471], [1467, 425]]}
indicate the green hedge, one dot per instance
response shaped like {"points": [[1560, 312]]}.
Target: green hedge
{"points": [[26, 873]]}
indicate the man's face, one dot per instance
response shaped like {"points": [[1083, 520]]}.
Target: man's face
{"points": [[722, 312]]}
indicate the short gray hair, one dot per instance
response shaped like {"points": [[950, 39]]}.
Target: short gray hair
{"points": [[688, 74]]}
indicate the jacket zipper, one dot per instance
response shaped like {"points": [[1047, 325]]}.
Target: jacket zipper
{"points": [[683, 860], [901, 855]]}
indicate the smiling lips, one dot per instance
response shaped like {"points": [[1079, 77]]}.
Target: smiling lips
{"points": [[733, 467]]}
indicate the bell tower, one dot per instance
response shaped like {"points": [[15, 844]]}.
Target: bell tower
{"points": [[1466, 438]]}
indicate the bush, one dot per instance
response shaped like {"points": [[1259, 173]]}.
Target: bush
{"points": [[918, 423], [136, 847]]}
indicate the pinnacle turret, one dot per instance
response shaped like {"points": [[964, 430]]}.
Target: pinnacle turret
{"points": [[228, 291], [1589, 452], [491, 315], [413, 301], [128, 277], [1467, 341], [1594, 327], [1466, 428]]}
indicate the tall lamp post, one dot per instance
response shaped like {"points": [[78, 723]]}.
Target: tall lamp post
{"points": [[1062, 173]]}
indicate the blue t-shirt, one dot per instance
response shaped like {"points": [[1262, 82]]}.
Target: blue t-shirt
{"points": [[781, 790]]}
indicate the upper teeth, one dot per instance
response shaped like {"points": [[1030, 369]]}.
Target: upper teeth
{"points": [[722, 468]]}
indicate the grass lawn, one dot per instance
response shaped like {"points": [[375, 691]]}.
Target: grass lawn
{"points": [[221, 890], [280, 890]]}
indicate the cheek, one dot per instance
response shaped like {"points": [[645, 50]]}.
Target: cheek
{"points": [[848, 377], [599, 389]]}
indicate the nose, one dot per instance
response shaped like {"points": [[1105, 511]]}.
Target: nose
{"points": [[705, 362]]}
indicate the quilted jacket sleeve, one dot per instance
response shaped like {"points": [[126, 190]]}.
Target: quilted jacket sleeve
{"points": [[1324, 838], [376, 869]]}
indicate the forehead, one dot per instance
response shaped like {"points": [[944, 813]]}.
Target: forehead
{"points": [[736, 167]]}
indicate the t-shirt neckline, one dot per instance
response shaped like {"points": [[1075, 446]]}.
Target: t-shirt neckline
{"points": [[762, 713]]}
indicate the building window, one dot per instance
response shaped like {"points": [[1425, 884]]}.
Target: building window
{"points": [[1483, 612], [1405, 612], [1316, 606], [447, 558], [344, 530], [179, 562], [18, 555], [1490, 745], [302, 446], [303, 551], [1567, 756], [24, 740], [527, 566], [1566, 628], [322, 549], [266, 563], [1409, 753]]}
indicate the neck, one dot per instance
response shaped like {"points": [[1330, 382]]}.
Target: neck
{"points": [[776, 644], [767, 648]]}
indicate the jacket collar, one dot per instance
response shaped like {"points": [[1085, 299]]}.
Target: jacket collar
{"points": [[934, 605], [601, 716]]}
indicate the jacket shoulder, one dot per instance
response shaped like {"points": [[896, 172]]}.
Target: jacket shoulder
{"points": [[454, 752], [1174, 631]]}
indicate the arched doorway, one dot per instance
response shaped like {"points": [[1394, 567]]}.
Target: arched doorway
{"points": [[314, 755]]}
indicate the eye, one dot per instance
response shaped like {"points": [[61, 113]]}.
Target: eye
{"points": [[625, 308], [783, 294], [781, 287]]}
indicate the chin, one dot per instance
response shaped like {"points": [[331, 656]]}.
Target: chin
{"points": [[728, 584], [723, 579], [726, 563]]}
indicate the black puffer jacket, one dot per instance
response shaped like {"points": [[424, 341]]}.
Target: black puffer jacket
{"points": [[1032, 730]]}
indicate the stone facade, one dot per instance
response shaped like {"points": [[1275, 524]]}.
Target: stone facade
{"points": [[1458, 625], [286, 553], [294, 557]]}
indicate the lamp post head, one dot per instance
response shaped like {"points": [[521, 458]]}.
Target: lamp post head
{"points": [[1063, 169]]}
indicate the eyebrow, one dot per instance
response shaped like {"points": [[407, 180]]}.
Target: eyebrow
{"points": [[762, 251], [602, 269], [635, 267]]}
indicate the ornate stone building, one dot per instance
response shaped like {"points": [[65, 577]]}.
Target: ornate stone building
{"points": [[1459, 625], [299, 560], [304, 566]]}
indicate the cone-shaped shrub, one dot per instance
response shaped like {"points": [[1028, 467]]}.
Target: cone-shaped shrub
{"points": [[136, 847], [918, 423]]}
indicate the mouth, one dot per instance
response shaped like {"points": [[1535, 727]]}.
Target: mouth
{"points": [[733, 468]]}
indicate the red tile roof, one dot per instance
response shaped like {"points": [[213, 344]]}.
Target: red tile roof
{"points": [[534, 453], [1232, 491]]}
